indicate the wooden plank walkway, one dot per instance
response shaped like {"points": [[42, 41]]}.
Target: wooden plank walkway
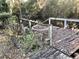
{"points": [[49, 53], [66, 42]]}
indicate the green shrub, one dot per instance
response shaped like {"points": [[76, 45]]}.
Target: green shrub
{"points": [[12, 20], [28, 43]]}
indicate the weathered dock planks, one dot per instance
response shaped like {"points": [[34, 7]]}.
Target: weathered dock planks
{"points": [[50, 53], [65, 41]]}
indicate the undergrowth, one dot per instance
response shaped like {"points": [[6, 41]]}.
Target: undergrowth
{"points": [[28, 43]]}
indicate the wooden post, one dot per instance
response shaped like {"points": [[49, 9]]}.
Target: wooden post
{"points": [[50, 35], [23, 29], [50, 32], [20, 21], [65, 24], [49, 21], [30, 24]]}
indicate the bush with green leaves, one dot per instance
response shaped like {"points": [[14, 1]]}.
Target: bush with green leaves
{"points": [[12, 19], [28, 43], [3, 6]]}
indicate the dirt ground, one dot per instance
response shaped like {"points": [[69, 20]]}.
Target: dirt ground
{"points": [[8, 51]]}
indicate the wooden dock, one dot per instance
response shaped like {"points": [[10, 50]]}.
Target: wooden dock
{"points": [[66, 40], [65, 45], [49, 53]]}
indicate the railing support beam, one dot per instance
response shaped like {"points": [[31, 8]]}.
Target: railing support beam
{"points": [[50, 34], [30, 24], [49, 21], [65, 24]]}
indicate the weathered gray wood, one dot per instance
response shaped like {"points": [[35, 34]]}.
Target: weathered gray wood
{"points": [[50, 53], [66, 40], [38, 54], [65, 24], [62, 19], [49, 21], [62, 39], [29, 20], [30, 24], [50, 35]]}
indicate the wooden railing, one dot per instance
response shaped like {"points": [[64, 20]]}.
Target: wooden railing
{"points": [[30, 25], [63, 19], [30, 21], [49, 20]]}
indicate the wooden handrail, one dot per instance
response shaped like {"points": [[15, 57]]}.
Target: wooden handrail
{"points": [[29, 20], [50, 27], [63, 19]]}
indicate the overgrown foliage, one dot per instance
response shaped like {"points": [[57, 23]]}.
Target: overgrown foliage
{"points": [[58, 8], [3, 6], [28, 43], [12, 20]]}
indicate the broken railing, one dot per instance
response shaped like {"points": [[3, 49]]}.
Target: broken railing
{"points": [[49, 25], [42, 29]]}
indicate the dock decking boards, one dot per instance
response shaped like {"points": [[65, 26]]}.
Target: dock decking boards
{"points": [[50, 53], [65, 40]]}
